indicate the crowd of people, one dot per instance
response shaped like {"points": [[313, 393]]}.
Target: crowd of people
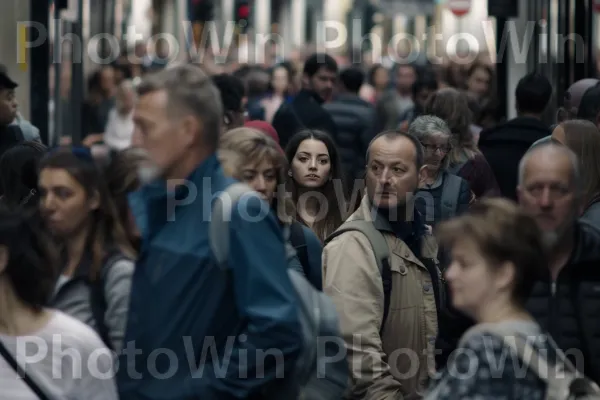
{"points": [[392, 231]]}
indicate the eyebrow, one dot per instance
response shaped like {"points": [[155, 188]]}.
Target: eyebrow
{"points": [[392, 163], [310, 154]]}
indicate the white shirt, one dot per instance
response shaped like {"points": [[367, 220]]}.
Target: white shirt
{"points": [[119, 130], [66, 359]]}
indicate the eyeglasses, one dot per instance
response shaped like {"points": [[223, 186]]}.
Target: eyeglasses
{"points": [[432, 148]]}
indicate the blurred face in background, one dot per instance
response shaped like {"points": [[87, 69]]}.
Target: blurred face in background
{"points": [[405, 78], [436, 146], [8, 106], [479, 82], [262, 178], [381, 78], [64, 203], [549, 194], [280, 80], [323, 83]]}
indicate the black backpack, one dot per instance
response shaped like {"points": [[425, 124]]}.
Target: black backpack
{"points": [[298, 241]]}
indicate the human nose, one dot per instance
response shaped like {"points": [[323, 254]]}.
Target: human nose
{"points": [[384, 178], [260, 184], [451, 272], [312, 164], [545, 198]]}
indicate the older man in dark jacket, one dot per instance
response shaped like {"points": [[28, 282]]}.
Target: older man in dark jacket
{"points": [[354, 120], [565, 301]]}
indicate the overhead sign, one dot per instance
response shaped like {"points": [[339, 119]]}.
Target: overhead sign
{"points": [[407, 8], [459, 7]]}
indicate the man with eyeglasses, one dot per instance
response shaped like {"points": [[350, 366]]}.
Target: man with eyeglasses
{"points": [[566, 300]]}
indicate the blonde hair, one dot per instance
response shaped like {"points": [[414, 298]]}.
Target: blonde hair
{"points": [[247, 146]]}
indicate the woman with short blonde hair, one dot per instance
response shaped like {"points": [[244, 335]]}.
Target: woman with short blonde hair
{"points": [[254, 158]]}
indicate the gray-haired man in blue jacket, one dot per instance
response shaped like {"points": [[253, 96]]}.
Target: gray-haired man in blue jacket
{"points": [[195, 331]]}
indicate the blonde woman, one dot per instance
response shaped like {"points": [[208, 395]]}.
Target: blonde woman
{"points": [[254, 158]]}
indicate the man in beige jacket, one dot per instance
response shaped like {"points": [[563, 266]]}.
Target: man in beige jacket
{"points": [[390, 341]]}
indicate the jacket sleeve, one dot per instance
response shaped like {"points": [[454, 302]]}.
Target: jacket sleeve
{"points": [[117, 288], [352, 281], [266, 300]]}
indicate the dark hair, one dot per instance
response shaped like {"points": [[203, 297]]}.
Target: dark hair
{"points": [[232, 91], [373, 72], [479, 65], [106, 231], [32, 267], [503, 233], [122, 178], [392, 135], [317, 61], [452, 106], [583, 138], [533, 93], [336, 207], [19, 171], [426, 80], [589, 106], [352, 79]]}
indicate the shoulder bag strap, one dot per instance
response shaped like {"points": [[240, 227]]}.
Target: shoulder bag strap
{"points": [[299, 242], [450, 194], [219, 221], [21, 372], [382, 257]]}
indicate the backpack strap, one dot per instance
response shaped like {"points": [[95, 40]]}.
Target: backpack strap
{"points": [[298, 240], [98, 303], [450, 195], [455, 169], [382, 257], [219, 221]]}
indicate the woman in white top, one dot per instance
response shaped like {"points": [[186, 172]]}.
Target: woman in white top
{"points": [[62, 357], [119, 128]]}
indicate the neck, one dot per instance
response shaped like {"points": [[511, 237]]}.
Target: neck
{"points": [[185, 166], [16, 318], [432, 174], [312, 203], [560, 254], [75, 249], [501, 311]]}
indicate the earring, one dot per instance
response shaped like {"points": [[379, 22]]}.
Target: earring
{"points": [[290, 174]]}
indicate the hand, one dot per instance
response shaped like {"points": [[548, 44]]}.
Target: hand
{"points": [[93, 139]]}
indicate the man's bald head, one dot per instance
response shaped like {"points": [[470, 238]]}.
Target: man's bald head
{"points": [[551, 154]]}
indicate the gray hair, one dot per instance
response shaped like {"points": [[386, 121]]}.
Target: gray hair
{"points": [[551, 146], [425, 126], [190, 91]]}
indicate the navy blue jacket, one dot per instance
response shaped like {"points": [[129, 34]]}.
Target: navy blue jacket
{"points": [[202, 323]]}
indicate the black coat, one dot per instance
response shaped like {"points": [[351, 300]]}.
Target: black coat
{"points": [[304, 112], [504, 145], [570, 311], [354, 119]]}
